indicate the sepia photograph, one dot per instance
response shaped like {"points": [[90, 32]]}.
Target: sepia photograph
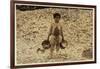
{"points": [[48, 34]]}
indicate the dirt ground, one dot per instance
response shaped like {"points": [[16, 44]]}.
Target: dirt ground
{"points": [[32, 28]]}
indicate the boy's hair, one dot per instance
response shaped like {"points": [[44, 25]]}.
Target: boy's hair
{"points": [[56, 14]]}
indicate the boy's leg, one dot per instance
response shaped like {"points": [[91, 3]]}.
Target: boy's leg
{"points": [[52, 43], [58, 41], [52, 51]]}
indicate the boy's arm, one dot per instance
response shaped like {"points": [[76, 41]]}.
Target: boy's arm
{"points": [[62, 34], [50, 31]]}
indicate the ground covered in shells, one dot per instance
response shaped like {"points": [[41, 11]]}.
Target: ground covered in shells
{"points": [[32, 28]]}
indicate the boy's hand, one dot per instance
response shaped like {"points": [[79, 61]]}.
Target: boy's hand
{"points": [[48, 39], [63, 39]]}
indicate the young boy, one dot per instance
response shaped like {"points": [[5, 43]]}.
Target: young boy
{"points": [[55, 36]]}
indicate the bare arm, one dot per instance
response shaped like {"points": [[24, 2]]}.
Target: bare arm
{"points": [[62, 34], [50, 31]]}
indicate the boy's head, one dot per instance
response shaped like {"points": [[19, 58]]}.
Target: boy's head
{"points": [[56, 17]]}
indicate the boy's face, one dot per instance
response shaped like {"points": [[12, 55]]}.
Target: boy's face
{"points": [[57, 18]]}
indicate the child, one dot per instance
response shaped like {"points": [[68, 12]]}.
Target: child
{"points": [[55, 36]]}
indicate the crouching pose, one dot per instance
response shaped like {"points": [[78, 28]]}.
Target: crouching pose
{"points": [[55, 35]]}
